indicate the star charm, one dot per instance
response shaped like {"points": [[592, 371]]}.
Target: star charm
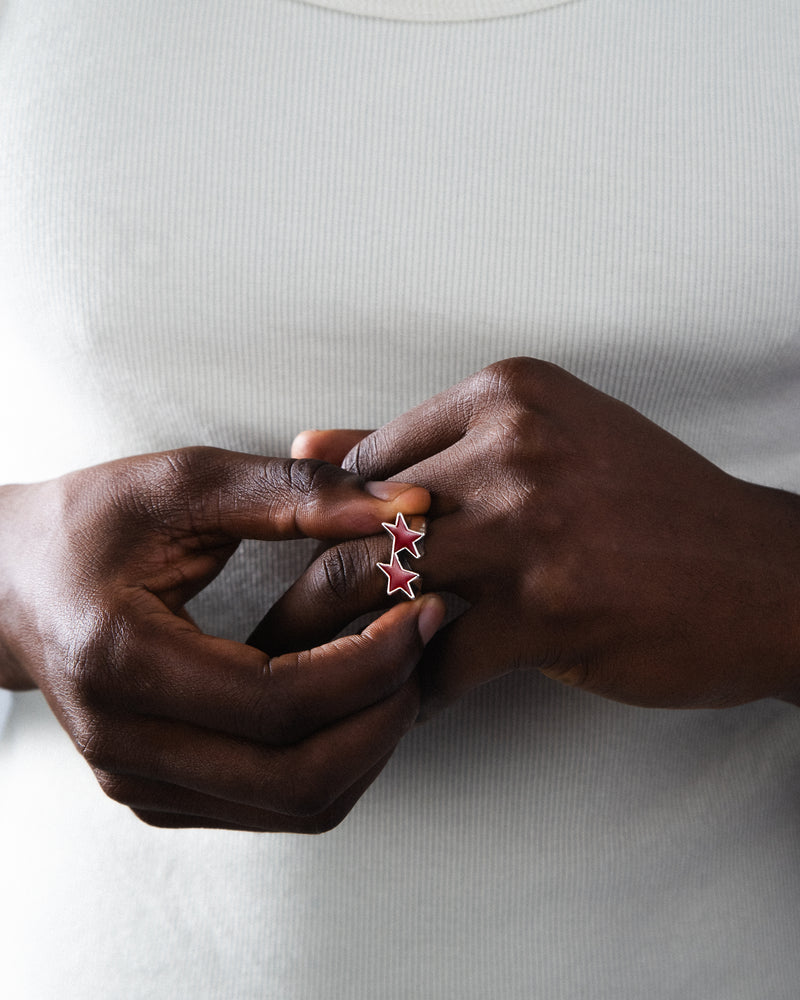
{"points": [[404, 539], [397, 577]]}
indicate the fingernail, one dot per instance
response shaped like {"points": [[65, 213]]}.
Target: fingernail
{"points": [[387, 491], [430, 617]]}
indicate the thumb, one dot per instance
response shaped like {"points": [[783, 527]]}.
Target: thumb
{"points": [[234, 495], [327, 446]]}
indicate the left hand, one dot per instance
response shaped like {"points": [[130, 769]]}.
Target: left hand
{"points": [[590, 543], [185, 728]]}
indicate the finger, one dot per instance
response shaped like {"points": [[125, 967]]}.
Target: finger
{"points": [[327, 598], [339, 586], [418, 434], [343, 583], [166, 806], [327, 446], [178, 673], [465, 654], [504, 387], [181, 821], [302, 781], [462, 477], [232, 495]]}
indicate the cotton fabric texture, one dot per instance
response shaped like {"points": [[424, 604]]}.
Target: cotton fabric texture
{"points": [[438, 10], [224, 223]]}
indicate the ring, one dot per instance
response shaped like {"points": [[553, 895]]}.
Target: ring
{"points": [[404, 539]]}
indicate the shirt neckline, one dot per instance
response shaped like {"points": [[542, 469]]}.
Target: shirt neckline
{"points": [[437, 10]]}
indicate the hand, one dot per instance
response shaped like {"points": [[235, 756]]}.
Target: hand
{"points": [[185, 728], [590, 544]]}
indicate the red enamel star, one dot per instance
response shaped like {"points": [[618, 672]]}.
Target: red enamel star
{"points": [[404, 539], [398, 577]]}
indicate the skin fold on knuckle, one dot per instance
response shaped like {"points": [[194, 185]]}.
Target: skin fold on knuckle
{"points": [[190, 490], [362, 459], [169, 488], [298, 488], [341, 573], [514, 382], [310, 476]]}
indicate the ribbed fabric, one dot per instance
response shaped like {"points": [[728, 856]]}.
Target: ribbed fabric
{"points": [[221, 223], [606, 188], [438, 10]]}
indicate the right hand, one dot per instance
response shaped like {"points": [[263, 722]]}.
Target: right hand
{"points": [[185, 728], [590, 544]]}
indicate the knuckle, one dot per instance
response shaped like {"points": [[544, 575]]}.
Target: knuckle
{"points": [[303, 476], [154, 484], [179, 465], [308, 476], [297, 483], [340, 572], [178, 487], [182, 483], [335, 572], [118, 787], [515, 380], [362, 459], [186, 464]]}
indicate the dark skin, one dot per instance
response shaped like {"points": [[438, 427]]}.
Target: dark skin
{"points": [[185, 728], [590, 544]]}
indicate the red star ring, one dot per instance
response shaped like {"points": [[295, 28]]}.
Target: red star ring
{"points": [[404, 539]]}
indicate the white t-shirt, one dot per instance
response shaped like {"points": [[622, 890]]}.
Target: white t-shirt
{"points": [[222, 223], [438, 10]]}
